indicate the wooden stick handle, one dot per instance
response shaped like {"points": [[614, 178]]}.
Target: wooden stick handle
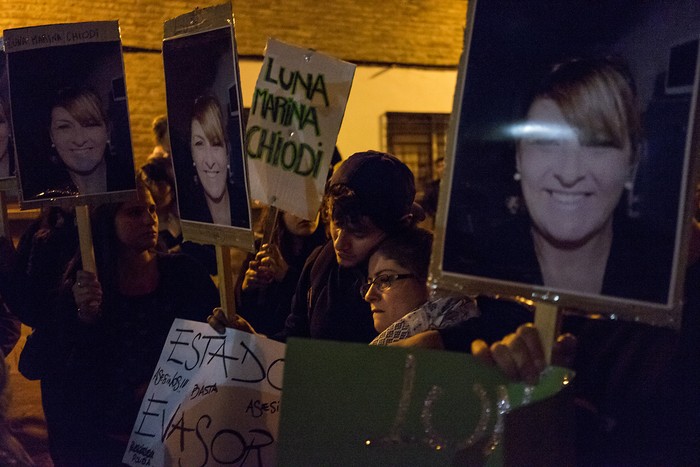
{"points": [[270, 224], [87, 252], [226, 283], [547, 323]]}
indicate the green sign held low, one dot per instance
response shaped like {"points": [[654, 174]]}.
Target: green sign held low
{"points": [[353, 404]]}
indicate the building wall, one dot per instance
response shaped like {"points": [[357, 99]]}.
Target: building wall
{"points": [[375, 91], [422, 37]]}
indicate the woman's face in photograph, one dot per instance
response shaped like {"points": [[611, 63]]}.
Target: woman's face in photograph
{"points": [[570, 190], [211, 162], [80, 147]]}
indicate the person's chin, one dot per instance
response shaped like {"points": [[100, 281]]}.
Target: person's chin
{"points": [[379, 324], [85, 168], [345, 261]]}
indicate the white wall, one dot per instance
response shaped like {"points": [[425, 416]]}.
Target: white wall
{"points": [[375, 91]]}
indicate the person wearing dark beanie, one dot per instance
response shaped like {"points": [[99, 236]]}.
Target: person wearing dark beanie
{"points": [[370, 195]]}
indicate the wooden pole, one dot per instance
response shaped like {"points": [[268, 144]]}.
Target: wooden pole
{"points": [[87, 252], [270, 225], [547, 323], [226, 283]]}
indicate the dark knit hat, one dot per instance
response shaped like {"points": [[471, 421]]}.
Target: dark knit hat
{"points": [[383, 184]]}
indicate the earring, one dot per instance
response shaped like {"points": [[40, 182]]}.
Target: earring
{"points": [[516, 176], [230, 174], [53, 157], [196, 179], [629, 185]]}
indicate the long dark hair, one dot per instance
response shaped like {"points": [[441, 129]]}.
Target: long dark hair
{"points": [[279, 235], [106, 247]]}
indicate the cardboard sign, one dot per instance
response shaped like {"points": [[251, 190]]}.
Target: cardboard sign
{"points": [[353, 404], [205, 123], [70, 114], [214, 399], [293, 125], [551, 192]]}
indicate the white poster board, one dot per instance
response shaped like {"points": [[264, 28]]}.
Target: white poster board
{"points": [[293, 125], [214, 399]]}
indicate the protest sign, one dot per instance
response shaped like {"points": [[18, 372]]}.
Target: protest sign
{"points": [[70, 114], [205, 123], [354, 404], [214, 399], [516, 216], [297, 109]]}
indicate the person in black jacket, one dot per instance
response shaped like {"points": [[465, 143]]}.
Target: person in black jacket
{"points": [[97, 348]]}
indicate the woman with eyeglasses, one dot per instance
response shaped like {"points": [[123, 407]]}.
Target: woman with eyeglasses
{"points": [[397, 292]]}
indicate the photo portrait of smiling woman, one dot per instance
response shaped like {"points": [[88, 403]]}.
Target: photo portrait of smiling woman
{"points": [[576, 152], [210, 157], [81, 159], [70, 118], [80, 137], [213, 192], [570, 156], [205, 123]]}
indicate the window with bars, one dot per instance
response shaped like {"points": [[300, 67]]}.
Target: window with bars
{"points": [[419, 140]]}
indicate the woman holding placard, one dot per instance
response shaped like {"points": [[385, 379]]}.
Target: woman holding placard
{"points": [[103, 340], [268, 279]]}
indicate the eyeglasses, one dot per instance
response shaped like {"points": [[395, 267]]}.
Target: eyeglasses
{"points": [[383, 282]]}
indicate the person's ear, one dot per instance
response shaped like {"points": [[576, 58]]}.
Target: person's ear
{"points": [[406, 220]]}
